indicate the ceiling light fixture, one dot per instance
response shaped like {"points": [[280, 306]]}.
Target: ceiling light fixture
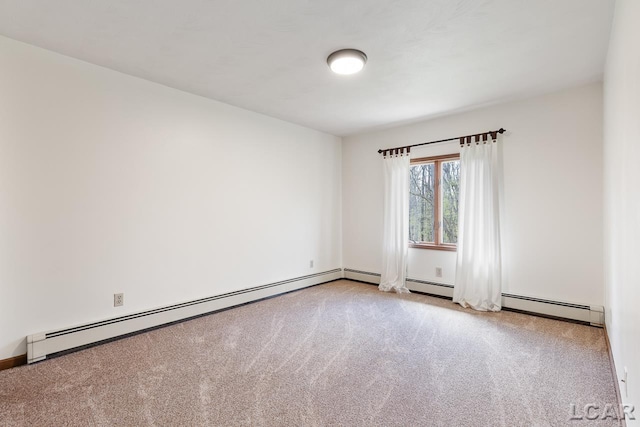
{"points": [[346, 61]]}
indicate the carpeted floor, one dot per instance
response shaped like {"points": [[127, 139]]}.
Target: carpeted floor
{"points": [[342, 353]]}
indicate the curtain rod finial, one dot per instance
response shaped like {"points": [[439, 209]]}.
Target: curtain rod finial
{"points": [[502, 130]]}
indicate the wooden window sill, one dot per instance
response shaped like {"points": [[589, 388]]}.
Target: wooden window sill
{"points": [[433, 247]]}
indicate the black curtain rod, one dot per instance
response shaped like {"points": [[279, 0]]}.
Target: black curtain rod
{"points": [[467, 138]]}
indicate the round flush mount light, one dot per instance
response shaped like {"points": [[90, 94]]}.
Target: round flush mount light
{"points": [[346, 61]]}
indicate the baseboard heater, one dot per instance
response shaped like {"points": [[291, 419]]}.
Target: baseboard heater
{"points": [[44, 344], [587, 314]]}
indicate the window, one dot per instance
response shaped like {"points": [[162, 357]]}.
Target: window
{"points": [[434, 187]]}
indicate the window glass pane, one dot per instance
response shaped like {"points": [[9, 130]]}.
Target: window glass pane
{"points": [[450, 176], [421, 203]]}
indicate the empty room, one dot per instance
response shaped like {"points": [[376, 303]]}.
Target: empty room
{"points": [[297, 213]]}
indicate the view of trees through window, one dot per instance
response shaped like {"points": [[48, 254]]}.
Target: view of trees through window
{"points": [[434, 188], [422, 203], [450, 194]]}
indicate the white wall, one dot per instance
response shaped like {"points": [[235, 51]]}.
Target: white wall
{"points": [[109, 183], [553, 193], [622, 195]]}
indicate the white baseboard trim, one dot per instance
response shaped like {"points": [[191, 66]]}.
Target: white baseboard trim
{"points": [[44, 344], [593, 315]]}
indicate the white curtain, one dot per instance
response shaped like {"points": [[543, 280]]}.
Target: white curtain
{"points": [[395, 241], [478, 282]]}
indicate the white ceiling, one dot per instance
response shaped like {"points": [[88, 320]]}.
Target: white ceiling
{"points": [[426, 57]]}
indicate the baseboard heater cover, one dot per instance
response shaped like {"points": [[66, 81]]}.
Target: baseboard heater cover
{"points": [[589, 314], [44, 344]]}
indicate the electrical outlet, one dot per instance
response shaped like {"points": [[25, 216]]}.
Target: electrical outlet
{"points": [[118, 300], [311, 264], [438, 271]]}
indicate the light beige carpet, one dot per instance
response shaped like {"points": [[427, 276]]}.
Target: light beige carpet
{"points": [[342, 353]]}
